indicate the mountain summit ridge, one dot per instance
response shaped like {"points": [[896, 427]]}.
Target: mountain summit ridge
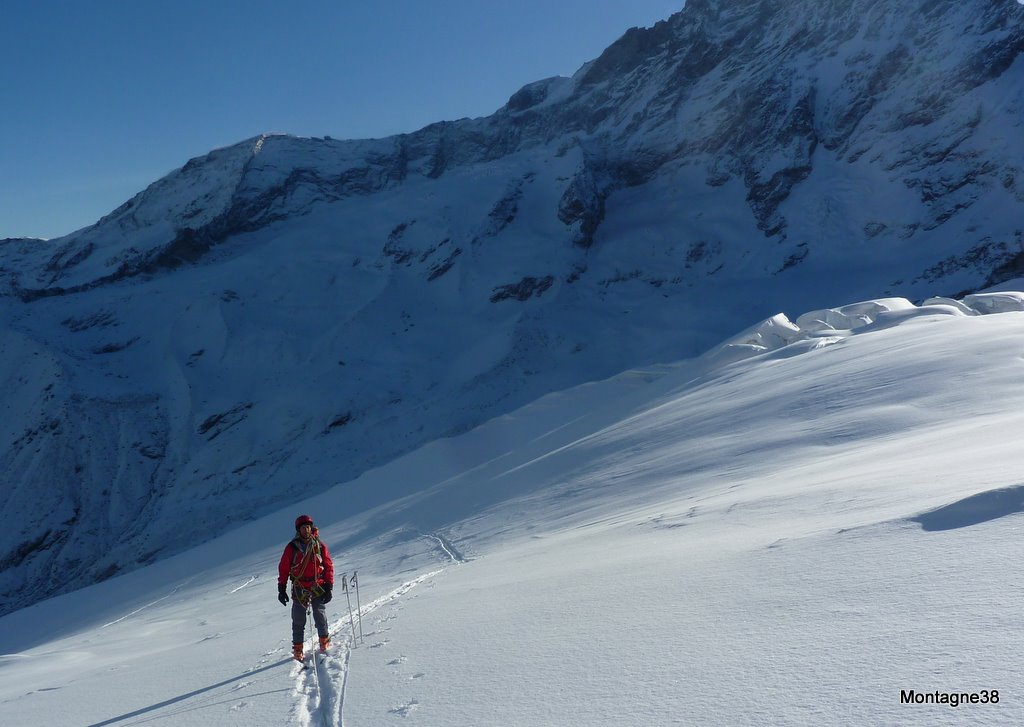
{"points": [[693, 89]]}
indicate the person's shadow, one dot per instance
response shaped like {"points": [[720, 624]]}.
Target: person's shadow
{"points": [[189, 695]]}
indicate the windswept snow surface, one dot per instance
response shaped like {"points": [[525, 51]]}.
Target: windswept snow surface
{"points": [[795, 529]]}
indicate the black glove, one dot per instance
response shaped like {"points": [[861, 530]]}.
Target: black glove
{"points": [[282, 594], [326, 598]]}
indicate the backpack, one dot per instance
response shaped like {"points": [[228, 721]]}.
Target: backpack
{"points": [[300, 560]]}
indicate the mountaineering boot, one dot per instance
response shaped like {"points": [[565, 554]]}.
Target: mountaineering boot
{"points": [[297, 651], [325, 641]]}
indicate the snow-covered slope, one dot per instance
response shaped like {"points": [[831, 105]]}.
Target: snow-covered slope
{"points": [[794, 529], [821, 126], [284, 314]]}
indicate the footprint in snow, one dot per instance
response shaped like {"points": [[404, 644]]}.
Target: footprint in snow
{"points": [[418, 675], [399, 660], [406, 709], [379, 644]]}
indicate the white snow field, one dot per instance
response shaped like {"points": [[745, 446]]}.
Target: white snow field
{"points": [[812, 524]]}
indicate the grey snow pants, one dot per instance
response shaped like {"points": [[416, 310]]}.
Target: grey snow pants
{"points": [[299, 620]]}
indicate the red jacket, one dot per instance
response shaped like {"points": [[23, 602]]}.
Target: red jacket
{"points": [[304, 567]]}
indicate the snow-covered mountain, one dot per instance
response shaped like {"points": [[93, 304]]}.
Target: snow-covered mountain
{"points": [[284, 314], [815, 523]]}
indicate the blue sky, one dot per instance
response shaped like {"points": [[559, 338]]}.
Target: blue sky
{"points": [[102, 97]]}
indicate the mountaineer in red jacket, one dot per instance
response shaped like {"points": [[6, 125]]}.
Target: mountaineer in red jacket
{"points": [[307, 562]]}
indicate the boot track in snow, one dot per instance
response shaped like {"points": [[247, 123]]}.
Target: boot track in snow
{"points": [[320, 684]]}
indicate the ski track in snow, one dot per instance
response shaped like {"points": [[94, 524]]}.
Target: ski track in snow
{"points": [[142, 608], [446, 545], [252, 579], [320, 691]]}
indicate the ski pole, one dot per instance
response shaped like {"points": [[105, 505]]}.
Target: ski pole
{"points": [[351, 621], [359, 606], [309, 619]]}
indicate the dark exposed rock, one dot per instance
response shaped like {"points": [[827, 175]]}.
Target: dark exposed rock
{"points": [[530, 95], [1011, 268], [436, 271], [217, 424], [523, 290], [702, 251], [340, 420], [102, 319], [765, 197], [114, 347], [582, 206], [985, 256], [505, 209], [633, 49], [69, 255], [18, 556]]}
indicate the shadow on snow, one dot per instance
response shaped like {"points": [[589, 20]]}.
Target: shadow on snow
{"points": [[189, 695], [974, 510]]}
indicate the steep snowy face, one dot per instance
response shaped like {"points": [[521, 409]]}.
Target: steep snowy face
{"points": [[282, 314], [889, 125], [894, 126]]}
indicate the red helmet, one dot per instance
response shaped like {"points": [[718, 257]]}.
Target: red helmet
{"points": [[303, 520]]}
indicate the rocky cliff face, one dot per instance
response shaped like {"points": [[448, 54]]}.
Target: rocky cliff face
{"points": [[279, 315]]}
